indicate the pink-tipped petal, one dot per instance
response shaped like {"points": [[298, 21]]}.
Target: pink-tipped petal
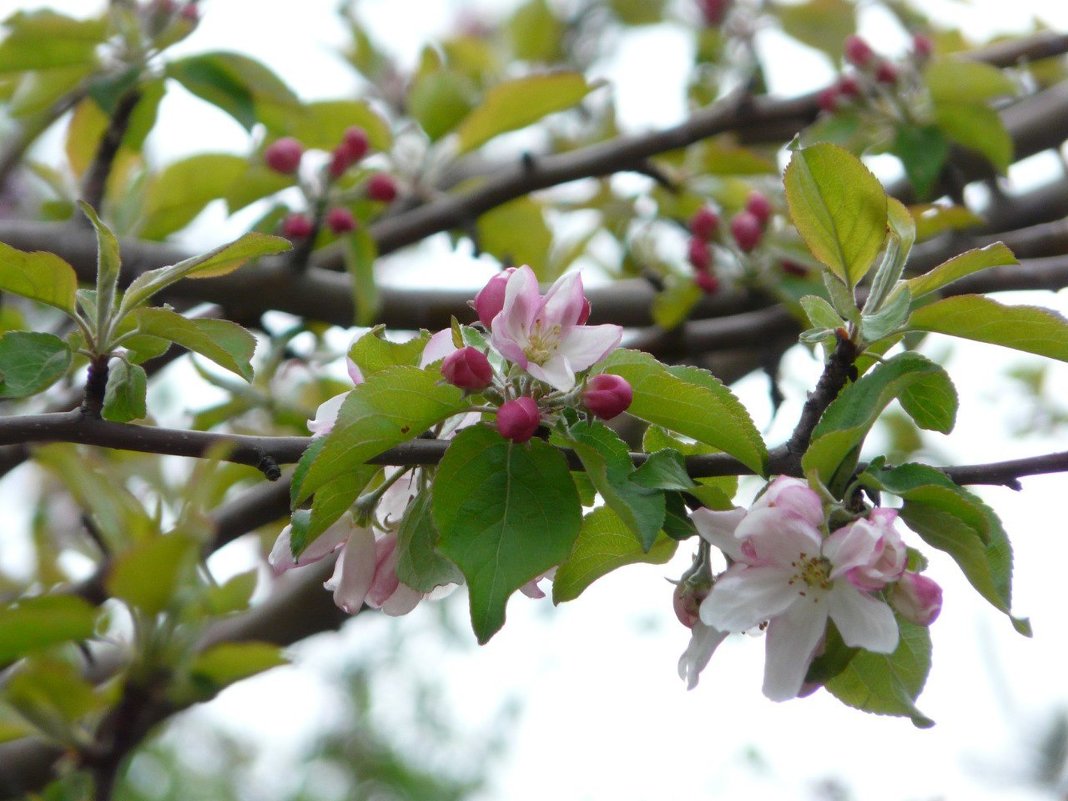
{"points": [[718, 529], [355, 571], [326, 415], [437, 347], [792, 640], [863, 621]]}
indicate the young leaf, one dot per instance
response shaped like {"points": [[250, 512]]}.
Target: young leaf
{"points": [[330, 502], [607, 462], [227, 663], [899, 244], [958, 81], [31, 362], [691, 402], [419, 564], [518, 103], [108, 266], [1027, 328], [227, 344], [39, 276], [979, 128], [44, 40], [851, 415], [923, 152], [34, 623], [931, 401], [182, 189], [971, 261], [506, 513], [360, 253], [838, 207], [664, 470], [605, 543], [888, 684], [220, 261], [373, 352], [124, 398], [820, 313], [389, 408], [148, 576]]}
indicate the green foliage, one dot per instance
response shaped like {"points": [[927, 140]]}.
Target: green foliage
{"points": [[31, 362], [1027, 328], [923, 151], [360, 253], [690, 402], [227, 344], [33, 624], [419, 564], [839, 209], [321, 124], [373, 353], [605, 543], [971, 261], [506, 513], [149, 575], [124, 398], [221, 665], [45, 40], [184, 188], [516, 232], [40, 276], [389, 408]]}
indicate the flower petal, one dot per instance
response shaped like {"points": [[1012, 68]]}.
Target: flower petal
{"points": [[437, 347], [792, 640], [744, 597], [585, 345], [717, 528], [776, 537], [563, 302], [510, 333], [326, 415], [855, 545], [281, 557], [863, 621], [556, 372], [403, 600], [703, 642], [354, 572]]}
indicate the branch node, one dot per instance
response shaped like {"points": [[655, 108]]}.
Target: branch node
{"points": [[96, 384], [268, 466]]}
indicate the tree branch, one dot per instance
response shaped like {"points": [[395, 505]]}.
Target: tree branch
{"points": [[96, 177]]}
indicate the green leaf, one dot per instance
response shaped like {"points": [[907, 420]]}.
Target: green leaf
{"points": [[851, 415], [419, 564], [952, 81], [329, 504], [231, 596], [931, 401], [607, 461], [38, 40], [438, 100], [820, 313], [184, 188], [888, 684], [31, 624], [672, 306], [389, 408], [901, 238], [605, 543], [516, 233], [821, 24], [373, 353], [149, 575], [227, 663], [978, 128], [933, 219], [108, 266], [665, 470], [322, 124], [226, 343], [518, 103], [124, 398], [40, 276], [220, 261], [258, 181], [535, 32], [923, 152], [691, 402], [310, 454], [971, 261], [838, 207], [31, 362], [950, 518], [715, 492], [889, 319], [51, 694], [1027, 328], [360, 253], [506, 513], [241, 86]]}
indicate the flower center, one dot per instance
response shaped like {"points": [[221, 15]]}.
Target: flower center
{"points": [[813, 571], [543, 343]]}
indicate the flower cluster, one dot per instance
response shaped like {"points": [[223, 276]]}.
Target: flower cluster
{"points": [[869, 76], [745, 232], [787, 575]]}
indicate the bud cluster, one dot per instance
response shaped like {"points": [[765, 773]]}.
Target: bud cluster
{"points": [[744, 233], [869, 77]]}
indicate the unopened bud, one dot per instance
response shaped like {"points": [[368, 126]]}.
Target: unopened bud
{"points": [[746, 230], [340, 220], [284, 155], [607, 395], [467, 368], [518, 419], [490, 299], [297, 226], [759, 206], [703, 224], [382, 187], [917, 598], [857, 51]]}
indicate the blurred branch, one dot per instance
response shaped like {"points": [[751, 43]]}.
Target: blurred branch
{"points": [[96, 177]]}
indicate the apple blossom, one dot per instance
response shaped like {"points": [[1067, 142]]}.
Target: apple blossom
{"points": [[703, 643], [366, 573], [890, 557], [917, 598], [544, 334]]}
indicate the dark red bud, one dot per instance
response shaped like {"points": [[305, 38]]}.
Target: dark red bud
{"points": [[886, 72], [297, 226], [858, 52], [382, 187], [607, 395], [190, 13], [714, 11], [356, 143], [703, 224], [518, 419], [828, 99], [490, 299], [699, 254], [848, 86], [746, 230], [922, 46], [467, 368], [759, 206], [283, 155], [340, 220], [340, 160], [793, 268], [707, 281]]}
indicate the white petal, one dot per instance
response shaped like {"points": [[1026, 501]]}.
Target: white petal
{"points": [[584, 345], [792, 640], [718, 528], [744, 597], [855, 545], [437, 347], [777, 537], [326, 415], [281, 558], [703, 642], [403, 600], [863, 621], [354, 572]]}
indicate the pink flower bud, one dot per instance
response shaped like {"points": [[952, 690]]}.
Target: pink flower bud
{"points": [[886, 73], [382, 187], [793, 268], [518, 419], [703, 224], [759, 206], [356, 143], [849, 86], [607, 395], [687, 602], [857, 51], [699, 254], [283, 155], [746, 230], [490, 299], [714, 11], [190, 13], [707, 281], [828, 99], [340, 220], [297, 226], [467, 368], [340, 160], [922, 46], [917, 598]]}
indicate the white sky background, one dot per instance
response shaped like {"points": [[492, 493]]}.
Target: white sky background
{"points": [[603, 714]]}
